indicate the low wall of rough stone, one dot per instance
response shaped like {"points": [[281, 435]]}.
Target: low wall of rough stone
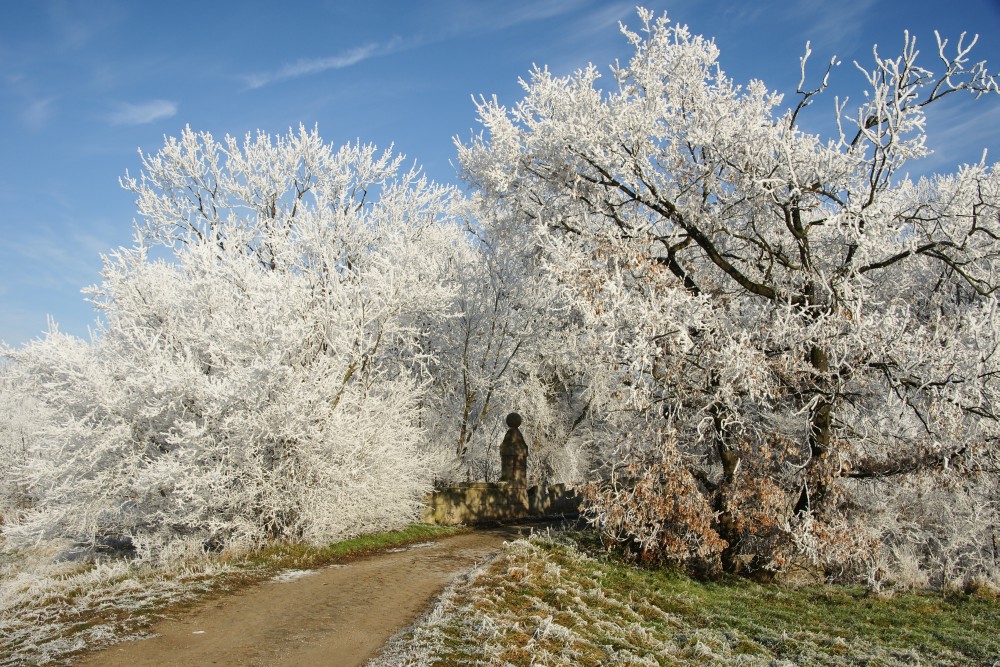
{"points": [[487, 502]]}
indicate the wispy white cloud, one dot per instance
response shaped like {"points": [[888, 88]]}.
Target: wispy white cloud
{"points": [[483, 18], [591, 36], [604, 20], [465, 19], [833, 30], [38, 112], [47, 259], [142, 113], [958, 132], [309, 66], [74, 30]]}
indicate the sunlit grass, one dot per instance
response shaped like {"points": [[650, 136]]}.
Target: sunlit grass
{"points": [[280, 555], [545, 602]]}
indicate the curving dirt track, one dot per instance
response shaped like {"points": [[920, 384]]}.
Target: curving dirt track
{"points": [[338, 615]]}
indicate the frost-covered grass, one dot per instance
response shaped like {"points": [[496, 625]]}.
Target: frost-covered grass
{"points": [[52, 608], [545, 602]]}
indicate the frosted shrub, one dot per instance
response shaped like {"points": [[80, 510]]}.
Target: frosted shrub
{"points": [[20, 415], [260, 367], [938, 531]]}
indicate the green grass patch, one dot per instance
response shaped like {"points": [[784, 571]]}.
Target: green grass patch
{"points": [[546, 601], [281, 556]]}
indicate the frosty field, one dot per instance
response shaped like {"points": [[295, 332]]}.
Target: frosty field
{"points": [[547, 602]]}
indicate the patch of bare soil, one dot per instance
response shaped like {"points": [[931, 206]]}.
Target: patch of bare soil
{"points": [[338, 615]]}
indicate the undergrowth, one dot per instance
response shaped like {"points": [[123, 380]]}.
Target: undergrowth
{"points": [[545, 601], [51, 609]]}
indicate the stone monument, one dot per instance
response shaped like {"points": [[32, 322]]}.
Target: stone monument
{"points": [[514, 454], [506, 500]]}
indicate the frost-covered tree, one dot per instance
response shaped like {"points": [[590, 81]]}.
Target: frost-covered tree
{"points": [[261, 363], [512, 346], [790, 322], [20, 412]]}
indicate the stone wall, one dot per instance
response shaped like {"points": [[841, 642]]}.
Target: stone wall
{"points": [[488, 502]]}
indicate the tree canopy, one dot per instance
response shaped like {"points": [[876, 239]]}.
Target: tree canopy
{"points": [[784, 314], [759, 344]]}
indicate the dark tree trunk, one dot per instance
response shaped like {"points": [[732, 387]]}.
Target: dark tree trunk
{"points": [[817, 484]]}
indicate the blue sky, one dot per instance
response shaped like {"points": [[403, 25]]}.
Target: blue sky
{"points": [[84, 84]]}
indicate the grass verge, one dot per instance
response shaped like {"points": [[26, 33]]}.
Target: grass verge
{"points": [[546, 602], [52, 610], [280, 556]]}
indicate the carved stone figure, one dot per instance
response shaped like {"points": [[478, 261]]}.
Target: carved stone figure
{"points": [[514, 454]]}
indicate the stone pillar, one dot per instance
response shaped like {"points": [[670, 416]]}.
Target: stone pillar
{"points": [[514, 454]]}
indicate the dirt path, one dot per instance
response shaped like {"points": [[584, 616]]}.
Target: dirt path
{"points": [[338, 615]]}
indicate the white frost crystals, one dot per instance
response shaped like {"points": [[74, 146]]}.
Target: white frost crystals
{"points": [[772, 345], [793, 331], [263, 380]]}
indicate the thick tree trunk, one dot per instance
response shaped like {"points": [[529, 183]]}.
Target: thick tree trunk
{"points": [[725, 526], [817, 484]]}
